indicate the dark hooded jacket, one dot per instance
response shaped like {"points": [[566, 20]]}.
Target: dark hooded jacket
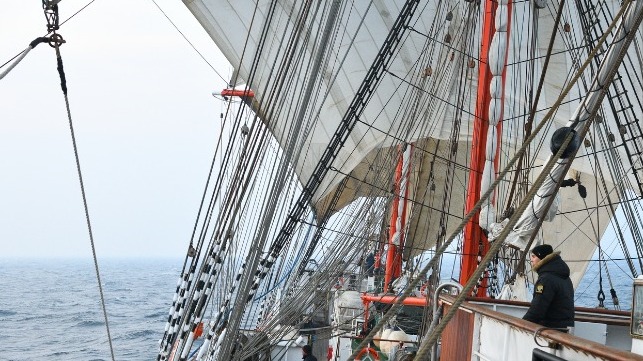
{"points": [[553, 302], [309, 358]]}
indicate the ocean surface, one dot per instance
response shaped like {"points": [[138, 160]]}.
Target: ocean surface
{"points": [[50, 309], [617, 276]]}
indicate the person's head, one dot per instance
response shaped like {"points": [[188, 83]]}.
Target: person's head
{"points": [[307, 350], [540, 252]]}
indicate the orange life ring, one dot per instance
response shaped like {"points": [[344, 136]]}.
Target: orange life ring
{"points": [[367, 351]]}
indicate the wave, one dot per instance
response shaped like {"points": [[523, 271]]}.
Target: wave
{"points": [[89, 323], [6, 313], [59, 353], [139, 334], [138, 299], [157, 315]]}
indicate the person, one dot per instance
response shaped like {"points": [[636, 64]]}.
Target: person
{"points": [[308, 353], [553, 301]]}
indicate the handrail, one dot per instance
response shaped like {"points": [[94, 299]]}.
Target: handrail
{"points": [[436, 295], [564, 339], [538, 331], [522, 303], [582, 314]]}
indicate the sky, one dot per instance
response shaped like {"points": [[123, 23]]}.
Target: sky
{"points": [[144, 119]]}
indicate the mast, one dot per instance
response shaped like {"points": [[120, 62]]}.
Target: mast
{"points": [[489, 104], [398, 218]]}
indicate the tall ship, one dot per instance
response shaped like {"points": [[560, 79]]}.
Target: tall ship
{"points": [[387, 166], [402, 132]]}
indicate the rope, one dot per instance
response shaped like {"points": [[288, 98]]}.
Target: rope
{"points": [[22, 55], [284, 235], [77, 12], [51, 14], [248, 285], [189, 42], [483, 198], [338, 264], [63, 85], [285, 276], [426, 344], [521, 263], [601, 295], [34, 45], [541, 83]]}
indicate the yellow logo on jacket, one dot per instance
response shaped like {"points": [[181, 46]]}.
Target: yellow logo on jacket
{"points": [[540, 288]]}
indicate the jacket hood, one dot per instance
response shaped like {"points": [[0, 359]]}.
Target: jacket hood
{"points": [[554, 264]]}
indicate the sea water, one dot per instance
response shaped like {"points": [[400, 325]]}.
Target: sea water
{"points": [[617, 276], [51, 310]]}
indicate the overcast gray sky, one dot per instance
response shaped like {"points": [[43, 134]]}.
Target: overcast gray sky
{"points": [[144, 119]]}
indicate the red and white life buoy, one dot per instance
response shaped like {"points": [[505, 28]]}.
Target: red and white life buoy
{"points": [[367, 354]]}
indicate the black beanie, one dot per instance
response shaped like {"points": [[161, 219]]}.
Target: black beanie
{"points": [[542, 251]]}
